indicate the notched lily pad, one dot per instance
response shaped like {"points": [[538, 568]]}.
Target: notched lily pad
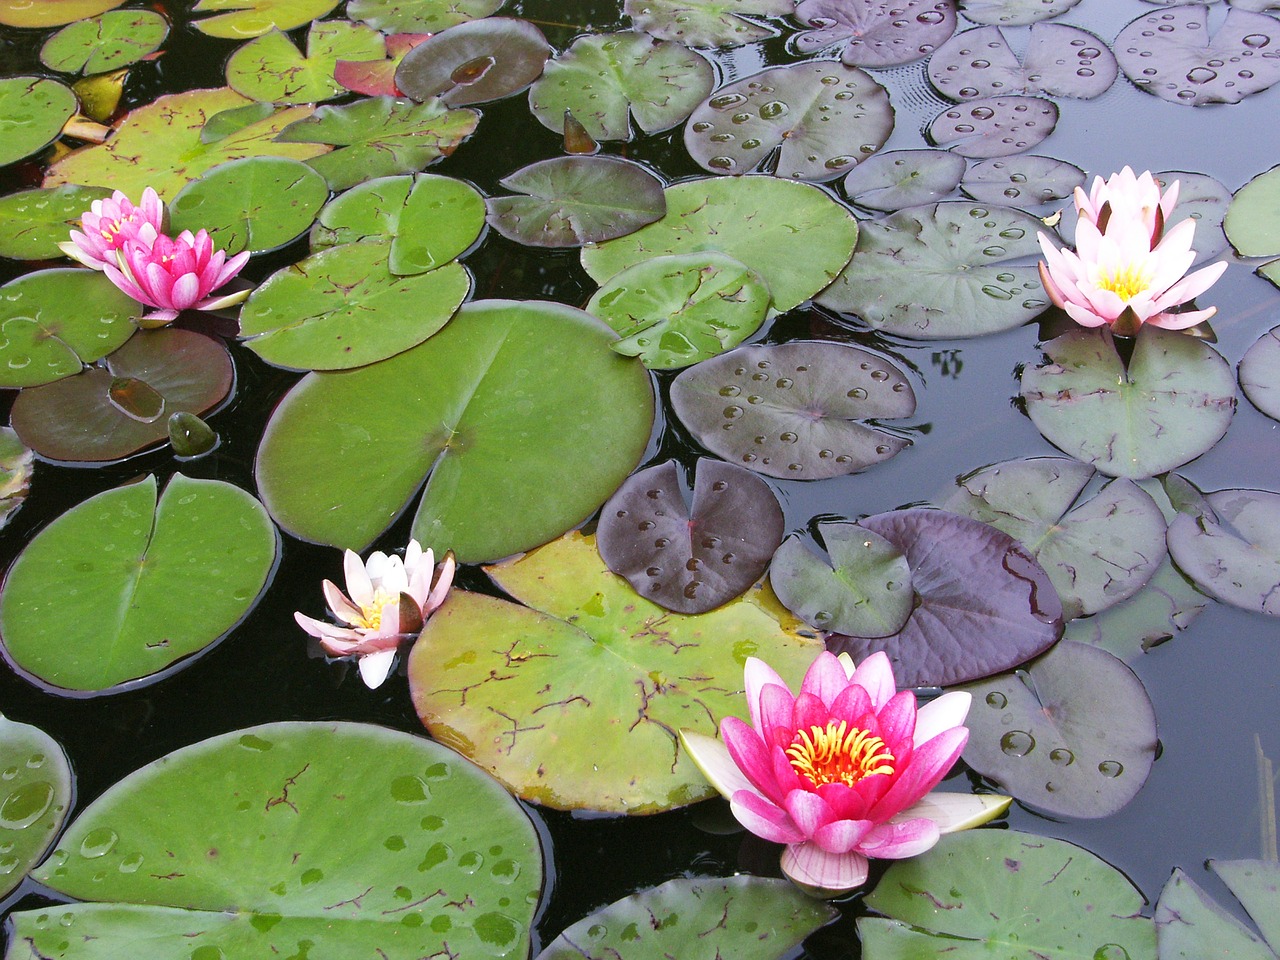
{"points": [[699, 23], [32, 112], [1190, 925], [37, 791], [1027, 180], [1260, 373], [691, 559], [1232, 549], [1013, 13], [994, 127], [1059, 60], [420, 16], [903, 178], [271, 68], [795, 410], [874, 34], [104, 43], [475, 62], [238, 19], [1252, 221]]}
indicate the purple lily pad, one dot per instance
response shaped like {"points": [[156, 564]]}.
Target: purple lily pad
{"points": [[903, 178], [995, 127], [1027, 180], [1013, 13], [877, 33], [1231, 549], [1170, 53], [1260, 373], [691, 559], [984, 605], [474, 62], [1059, 60], [794, 410]]}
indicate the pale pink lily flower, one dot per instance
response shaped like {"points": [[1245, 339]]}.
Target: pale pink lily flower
{"points": [[174, 274], [390, 599], [1128, 197], [108, 224], [842, 771]]}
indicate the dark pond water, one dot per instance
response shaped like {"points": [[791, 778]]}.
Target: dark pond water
{"points": [[1215, 686]]}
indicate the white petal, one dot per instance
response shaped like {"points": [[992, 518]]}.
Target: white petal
{"points": [[712, 757], [944, 713], [376, 667], [955, 811], [359, 586], [823, 874]]}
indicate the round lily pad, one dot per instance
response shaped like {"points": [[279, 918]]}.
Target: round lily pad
{"points": [[419, 16], [677, 310], [1013, 13], [475, 62], [51, 13], [255, 203], [284, 853], [1059, 60], [32, 113], [1171, 403], [521, 405], [238, 19], [797, 252], [1072, 734], [271, 68], [606, 80], [1232, 550], [52, 322], [1026, 180], [1170, 53], [983, 604], [699, 23], [903, 178], [875, 34], [864, 590], [570, 201], [121, 588], [994, 127], [1259, 368], [103, 43], [575, 699], [819, 118], [944, 271], [795, 410], [37, 791], [15, 474], [691, 559], [34, 222], [112, 410]]}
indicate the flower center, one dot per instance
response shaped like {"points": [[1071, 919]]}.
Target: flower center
{"points": [[371, 614], [838, 754], [1126, 282]]}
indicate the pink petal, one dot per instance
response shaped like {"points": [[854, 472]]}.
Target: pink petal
{"points": [[376, 667], [895, 841], [809, 712], [776, 714], [1180, 321], [813, 868], [757, 675], [752, 757], [359, 586], [126, 284], [808, 811], [897, 720], [930, 764], [712, 757], [824, 679], [342, 608], [875, 675], [185, 292], [763, 818], [851, 705], [944, 713], [842, 836]]}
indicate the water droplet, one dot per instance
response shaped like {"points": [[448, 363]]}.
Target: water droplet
{"points": [[98, 843], [1062, 756], [131, 863], [724, 101], [1256, 40], [1111, 768], [997, 699], [731, 412], [721, 163], [1017, 743], [26, 805], [1202, 75], [410, 789], [857, 393]]}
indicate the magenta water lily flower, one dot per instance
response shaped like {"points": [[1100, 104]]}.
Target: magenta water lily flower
{"points": [[1126, 270], [108, 224], [174, 274], [842, 771], [389, 601]]}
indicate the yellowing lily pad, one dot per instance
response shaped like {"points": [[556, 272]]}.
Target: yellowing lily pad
{"points": [[419, 16], [51, 13], [239, 19]]}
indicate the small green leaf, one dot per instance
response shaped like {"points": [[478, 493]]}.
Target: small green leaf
{"points": [[108, 42], [15, 474], [271, 68], [32, 112], [34, 222], [706, 23]]}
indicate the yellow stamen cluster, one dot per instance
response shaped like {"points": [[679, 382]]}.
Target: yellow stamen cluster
{"points": [[1126, 282], [371, 614], [838, 754]]}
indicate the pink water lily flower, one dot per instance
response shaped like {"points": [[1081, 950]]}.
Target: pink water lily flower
{"points": [[390, 599], [843, 770], [174, 274], [1128, 197], [108, 224]]}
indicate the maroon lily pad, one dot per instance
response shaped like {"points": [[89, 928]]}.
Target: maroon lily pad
{"points": [[875, 33], [1060, 60], [995, 127], [691, 559], [110, 411], [983, 603], [475, 62]]}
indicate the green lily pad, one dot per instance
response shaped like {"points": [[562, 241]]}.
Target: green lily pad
{"points": [[160, 145], [1027, 180], [52, 322], [1258, 373], [608, 79], [994, 127], [475, 62], [238, 19], [377, 77], [271, 68], [1013, 13], [1190, 926], [575, 699], [234, 119], [34, 222], [943, 271], [1232, 550], [674, 311], [379, 137], [707, 23], [256, 203], [797, 252], [1252, 223], [51, 13], [15, 475], [32, 112], [342, 308], [114, 409], [748, 918], [104, 43], [419, 16], [429, 219], [903, 178], [1171, 403], [984, 893], [864, 590], [1072, 733], [37, 793], [286, 856], [571, 201], [521, 405], [1059, 60], [120, 588], [819, 118]]}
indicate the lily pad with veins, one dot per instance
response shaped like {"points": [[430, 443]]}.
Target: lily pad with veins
{"points": [[271, 68], [1027, 180], [105, 42], [875, 33], [903, 178], [32, 113], [1232, 548], [1060, 60], [420, 16], [994, 127], [474, 62], [238, 19], [34, 222], [1190, 925], [707, 23], [51, 13]]}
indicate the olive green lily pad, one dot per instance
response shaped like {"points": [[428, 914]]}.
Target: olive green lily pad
{"points": [[287, 854], [575, 700], [52, 322], [120, 588], [1258, 377], [342, 308], [379, 137], [1191, 926], [160, 145], [1232, 549], [819, 118], [271, 68], [15, 476], [944, 271], [984, 893], [521, 405], [748, 918], [798, 250], [707, 23], [34, 222], [419, 16], [37, 791], [51, 13], [475, 62], [114, 409], [674, 311], [1171, 403], [1252, 223], [256, 203], [429, 219], [32, 112], [608, 79], [104, 43], [238, 19]]}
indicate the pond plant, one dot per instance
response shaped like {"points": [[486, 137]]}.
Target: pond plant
{"points": [[716, 351]]}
